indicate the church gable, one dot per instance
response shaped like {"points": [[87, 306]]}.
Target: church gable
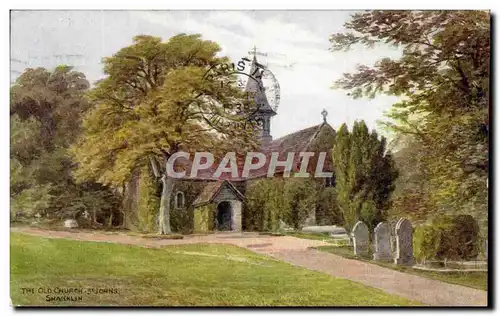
{"points": [[322, 141], [218, 191]]}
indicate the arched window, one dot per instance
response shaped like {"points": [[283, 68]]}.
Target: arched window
{"points": [[179, 200]]}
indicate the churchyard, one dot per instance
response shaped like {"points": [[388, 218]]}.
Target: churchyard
{"points": [[394, 249], [161, 266], [160, 173]]}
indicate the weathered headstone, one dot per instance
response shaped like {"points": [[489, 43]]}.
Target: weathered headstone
{"points": [[382, 240], [70, 223], [404, 242], [360, 239]]}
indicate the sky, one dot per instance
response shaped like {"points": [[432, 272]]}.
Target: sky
{"points": [[298, 38]]}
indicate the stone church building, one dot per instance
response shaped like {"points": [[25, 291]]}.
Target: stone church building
{"points": [[207, 204]]}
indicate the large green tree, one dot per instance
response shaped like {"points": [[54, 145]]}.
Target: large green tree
{"points": [[365, 175], [443, 81], [159, 98], [46, 109]]}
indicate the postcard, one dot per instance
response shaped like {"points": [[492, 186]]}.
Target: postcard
{"points": [[249, 158]]}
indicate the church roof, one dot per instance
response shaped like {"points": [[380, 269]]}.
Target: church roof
{"points": [[212, 189], [296, 142]]}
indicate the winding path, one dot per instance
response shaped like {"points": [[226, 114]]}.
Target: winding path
{"points": [[296, 251]]}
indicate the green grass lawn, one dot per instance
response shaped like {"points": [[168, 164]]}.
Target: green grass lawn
{"points": [[477, 280], [187, 275]]}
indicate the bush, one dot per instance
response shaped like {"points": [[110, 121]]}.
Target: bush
{"points": [[426, 241], [268, 201], [447, 238], [254, 206], [264, 206], [327, 209], [299, 200], [459, 240]]}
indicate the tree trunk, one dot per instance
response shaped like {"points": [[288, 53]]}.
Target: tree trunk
{"points": [[164, 213]]}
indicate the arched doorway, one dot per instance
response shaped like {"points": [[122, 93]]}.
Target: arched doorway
{"points": [[223, 220]]}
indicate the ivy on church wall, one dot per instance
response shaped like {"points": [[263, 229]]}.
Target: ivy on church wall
{"points": [[142, 202], [181, 219], [204, 218]]}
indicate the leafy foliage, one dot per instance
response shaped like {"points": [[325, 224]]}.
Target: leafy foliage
{"points": [[265, 204], [291, 200], [155, 101], [327, 209], [442, 120], [365, 175], [300, 200], [148, 201], [45, 119], [448, 238], [426, 241]]}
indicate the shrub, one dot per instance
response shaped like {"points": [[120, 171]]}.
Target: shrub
{"points": [[327, 209], [460, 239], [299, 200], [447, 238], [256, 196], [426, 241], [270, 200]]}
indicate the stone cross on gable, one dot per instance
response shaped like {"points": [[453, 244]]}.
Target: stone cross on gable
{"points": [[325, 114]]}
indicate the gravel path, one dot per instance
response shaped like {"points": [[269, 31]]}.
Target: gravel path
{"points": [[296, 251]]}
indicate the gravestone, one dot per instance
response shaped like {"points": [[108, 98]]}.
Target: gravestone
{"points": [[382, 240], [404, 242], [70, 223], [360, 239]]}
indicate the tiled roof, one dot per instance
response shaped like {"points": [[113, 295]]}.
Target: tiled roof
{"points": [[295, 142], [211, 190]]}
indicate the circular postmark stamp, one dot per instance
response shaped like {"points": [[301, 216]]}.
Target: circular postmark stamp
{"points": [[257, 86]]}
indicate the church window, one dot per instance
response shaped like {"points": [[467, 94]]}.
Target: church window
{"points": [[179, 200]]}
